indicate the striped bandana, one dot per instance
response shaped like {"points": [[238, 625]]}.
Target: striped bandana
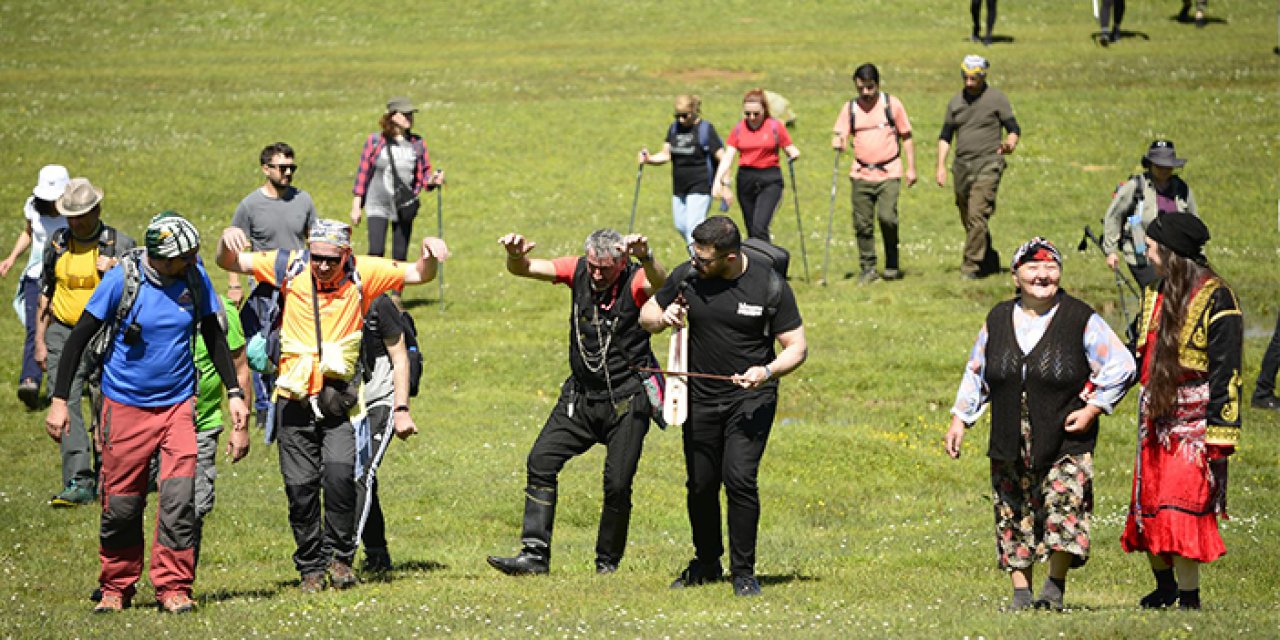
{"points": [[169, 235]]}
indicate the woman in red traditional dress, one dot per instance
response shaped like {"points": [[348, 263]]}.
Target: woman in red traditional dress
{"points": [[1189, 349]]}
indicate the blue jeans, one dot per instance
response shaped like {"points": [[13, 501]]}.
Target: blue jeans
{"points": [[30, 300], [688, 211]]}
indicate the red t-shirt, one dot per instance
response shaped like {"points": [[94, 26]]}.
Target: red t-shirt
{"points": [[759, 148], [564, 275]]}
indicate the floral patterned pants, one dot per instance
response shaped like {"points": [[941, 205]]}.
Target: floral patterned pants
{"points": [[1039, 512]]}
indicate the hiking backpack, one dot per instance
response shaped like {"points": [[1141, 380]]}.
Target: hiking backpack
{"points": [[410, 345], [60, 242], [704, 142], [888, 115]]}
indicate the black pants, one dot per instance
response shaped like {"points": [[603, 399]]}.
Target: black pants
{"points": [[1109, 8], [723, 444], [759, 194], [574, 426], [401, 233], [374, 534], [1265, 387], [316, 455], [975, 10]]}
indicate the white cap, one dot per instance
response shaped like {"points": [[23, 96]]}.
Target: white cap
{"points": [[52, 182]]}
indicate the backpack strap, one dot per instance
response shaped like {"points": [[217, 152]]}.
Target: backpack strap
{"points": [[704, 141], [773, 299], [107, 241]]}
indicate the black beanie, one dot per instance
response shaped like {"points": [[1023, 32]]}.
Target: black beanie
{"points": [[1183, 233]]}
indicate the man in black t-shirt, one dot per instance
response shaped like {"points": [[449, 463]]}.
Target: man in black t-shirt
{"points": [[604, 401], [732, 321]]}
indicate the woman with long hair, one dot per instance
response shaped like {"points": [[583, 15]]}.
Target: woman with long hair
{"points": [[759, 138], [1189, 349], [1049, 366], [694, 149], [394, 169]]}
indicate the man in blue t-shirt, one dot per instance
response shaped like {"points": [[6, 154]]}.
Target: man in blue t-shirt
{"points": [[148, 383]]}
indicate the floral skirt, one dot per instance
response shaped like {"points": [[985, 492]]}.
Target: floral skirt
{"points": [[1171, 511]]}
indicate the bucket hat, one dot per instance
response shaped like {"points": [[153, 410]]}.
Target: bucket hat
{"points": [[51, 183], [1162, 153]]}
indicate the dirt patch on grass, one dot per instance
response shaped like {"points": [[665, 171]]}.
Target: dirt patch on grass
{"points": [[704, 74]]}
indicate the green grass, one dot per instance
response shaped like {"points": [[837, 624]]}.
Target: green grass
{"points": [[536, 111]]}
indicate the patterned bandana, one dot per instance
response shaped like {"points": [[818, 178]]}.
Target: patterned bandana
{"points": [[1036, 249], [975, 65], [332, 232], [169, 235]]}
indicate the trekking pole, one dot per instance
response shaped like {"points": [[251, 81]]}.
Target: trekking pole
{"points": [[440, 234], [1122, 283], [636, 198], [804, 256], [831, 217]]}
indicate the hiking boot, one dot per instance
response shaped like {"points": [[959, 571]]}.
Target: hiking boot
{"points": [[1269, 402], [698, 573], [29, 393], [868, 276], [312, 583], [524, 564], [341, 576], [1047, 604], [112, 603], [1185, 14], [376, 560], [605, 568], [892, 274], [746, 586], [175, 603], [74, 495]]}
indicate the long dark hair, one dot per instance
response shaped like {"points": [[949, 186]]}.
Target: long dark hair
{"points": [[1182, 277], [389, 128]]}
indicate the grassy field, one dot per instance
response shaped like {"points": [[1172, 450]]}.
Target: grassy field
{"points": [[536, 111]]}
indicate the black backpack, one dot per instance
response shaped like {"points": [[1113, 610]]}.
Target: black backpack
{"points": [[410, 344], [779, 260]]}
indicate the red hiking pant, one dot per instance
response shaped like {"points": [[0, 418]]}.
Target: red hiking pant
{"points": [[129, 437]]}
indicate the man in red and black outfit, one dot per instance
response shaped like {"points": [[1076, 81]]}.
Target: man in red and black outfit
{"points": [[603, 401]]}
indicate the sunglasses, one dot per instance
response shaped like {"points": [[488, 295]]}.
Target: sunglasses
{"points": [[680, 116], [699, 260], [332, 261], [284, 168]]}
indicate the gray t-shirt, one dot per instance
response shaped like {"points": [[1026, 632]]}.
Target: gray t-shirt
{"points": [[377, 200], [276, 223]]}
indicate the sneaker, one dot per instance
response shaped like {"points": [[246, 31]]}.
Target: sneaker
{"points": [[524, 564], [746, 586], [376, 560], [868, 276], [112, 603], [698, 573], [176, 603], [892, 274], [29, 393], [74, 495], [341, 576], [1047, 605], [605, 568], [312, 583], [1269, 402]]}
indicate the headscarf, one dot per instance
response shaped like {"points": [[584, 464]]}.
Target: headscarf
{"points": [[169, 235], [1036, 249]]}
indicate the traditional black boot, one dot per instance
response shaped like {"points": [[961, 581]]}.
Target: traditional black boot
{"points": [[611, 539], [1166, 593], [539, 516]]}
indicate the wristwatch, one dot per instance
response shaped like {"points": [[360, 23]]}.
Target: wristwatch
{"points": [[235, 393], [403, 407]]}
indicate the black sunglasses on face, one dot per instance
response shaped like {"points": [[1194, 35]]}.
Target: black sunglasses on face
{"points": [[328, 260], [699, 260], [284, 168], [679, 115]]}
